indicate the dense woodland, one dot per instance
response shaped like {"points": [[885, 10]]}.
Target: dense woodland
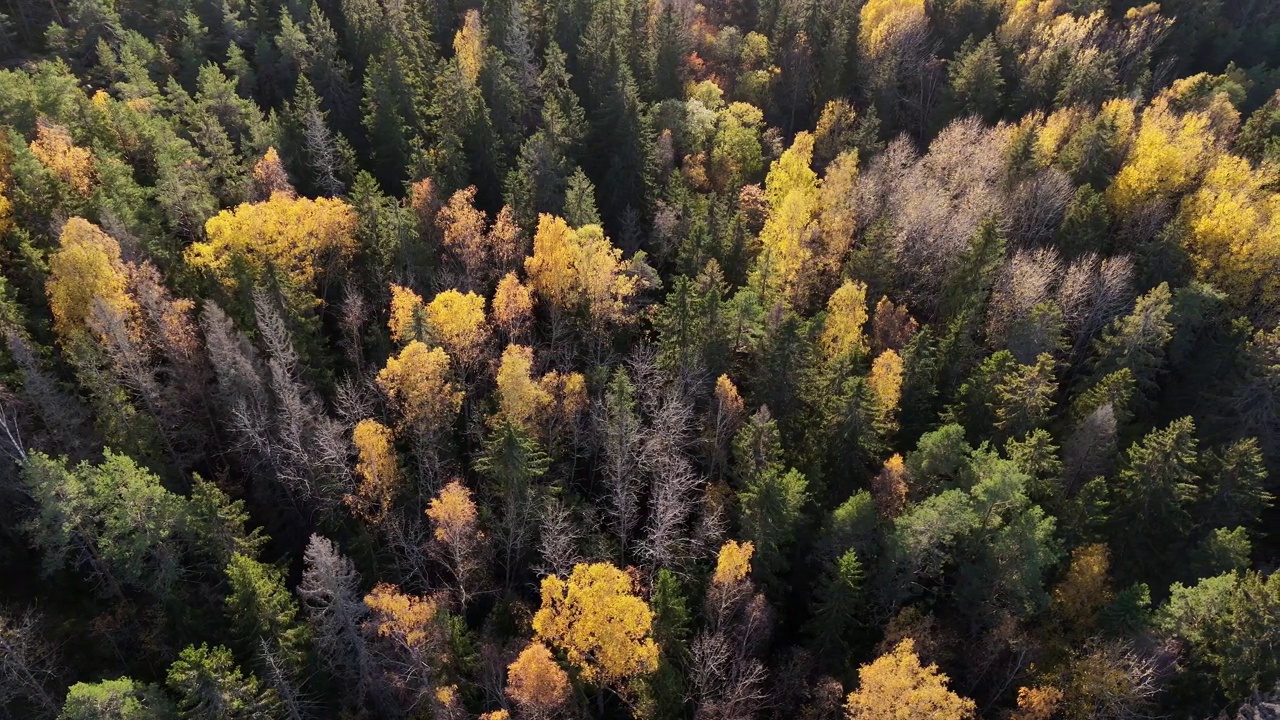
{"points": [[535, 359]]}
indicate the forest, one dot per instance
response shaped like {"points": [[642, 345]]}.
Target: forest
{"points": [[639, 359]]}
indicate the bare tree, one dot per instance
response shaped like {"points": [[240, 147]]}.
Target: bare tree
{"points": [[617, 427], [330, 596], [280, 677], [1092, 293], [558, 541], [27, 665]]}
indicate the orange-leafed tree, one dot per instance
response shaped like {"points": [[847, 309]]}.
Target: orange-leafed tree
{"points": [[457, 539], [897, 686], [889, 488], [536, 683], [270, 177], [597, 619]]}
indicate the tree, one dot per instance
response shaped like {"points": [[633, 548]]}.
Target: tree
{"points": [[86, 269], [418, 384], [896, 685], [842, 336], [1230, 623], [408, 320], [535, 683], [115, 518], [788, 235], [1084, 590], [298, 238], [513, 307], [513, 462], [411, 636], [598, 621], [886, 385], [55, 149], [457, 323], [1138, 341], [976, 82], [458, 538], [335, 612], [209, 686], [1154, 495], [27, 664], [261, 609], [378, 471], [120, 699], [837, 605], [772, 499]]}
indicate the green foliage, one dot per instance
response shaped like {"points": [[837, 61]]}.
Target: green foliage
{"points": [[261, 609], [121, 699], [209, 686]]}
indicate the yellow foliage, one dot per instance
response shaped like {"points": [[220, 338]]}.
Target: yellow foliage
{"points": [[1022, 17], [886, 382], [86, 266], [457, 323], [837, 211], [468, 47], [1037, 703], [417, 381], [407, 619], [882, 19], [496, 715], [1085, 589], [55, 150], [550, 268], [377, 470], [453, 514], [789, 232], [1234, 232], [521, 400], [408, 315], [728, 400], [568, 392], [270, 177], [580, 268], [512, 304], [842, 334], [1055, 132], [598, 621], [296, 236], [889, 487], [462, 226], [535, 682], [896, 687], [733, 563], [1170, 152]]}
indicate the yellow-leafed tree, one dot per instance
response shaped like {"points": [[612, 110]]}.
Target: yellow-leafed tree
{"points": [[790, 233], [408, 315], [296, 237], [457, 323], [458, 541], [596, 618], [842, 335], [54, 148], [535, 683], [580, 270], [417, 382], [512, 306], [1233, 223], [896, 686], [886, 383], [377, 471], [86, 266], [521, 399], [882, 20]]}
